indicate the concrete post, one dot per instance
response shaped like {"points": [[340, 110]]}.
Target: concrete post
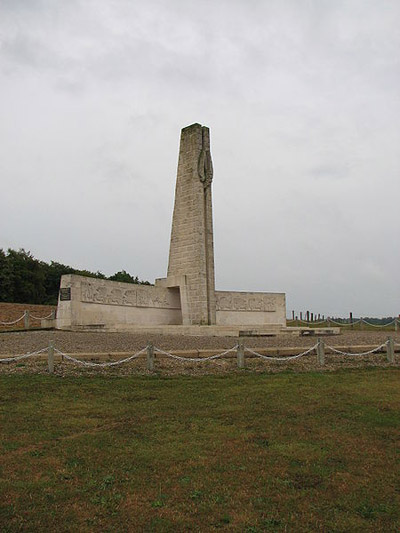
{"points": [[240, 354], [361, 323], [150, 356], [390, 350], [50, 357], [396, 322], [26, 319], [320, 351]]}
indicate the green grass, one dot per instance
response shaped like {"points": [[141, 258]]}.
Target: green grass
{"points": [[245, 452]]}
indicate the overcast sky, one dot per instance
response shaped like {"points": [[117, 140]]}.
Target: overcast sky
{"points": [[302, 98]]}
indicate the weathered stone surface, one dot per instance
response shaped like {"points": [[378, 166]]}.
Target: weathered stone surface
{"points": [[192, 248], [104, 304], [250, 308]]}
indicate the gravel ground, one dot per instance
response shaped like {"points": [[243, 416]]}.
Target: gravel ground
{"points": [[66, 341], [95, 342]]}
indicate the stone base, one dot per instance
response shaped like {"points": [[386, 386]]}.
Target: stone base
{"points": [[311, 332], [202, 331]]}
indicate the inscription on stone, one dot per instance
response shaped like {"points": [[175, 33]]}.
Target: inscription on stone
{"points": [[65, 294], [98, 292], [227, 301]]}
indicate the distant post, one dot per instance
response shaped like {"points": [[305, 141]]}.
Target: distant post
{"points": [[292, 315], [50, 357], [150, 356], [308, 317], [240, 354], [321, 351], [396, 324], [26, 319], [390, 350], [351, 319]]}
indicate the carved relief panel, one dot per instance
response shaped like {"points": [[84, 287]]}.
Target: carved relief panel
{"points": [[111, 293], [245, 301]]}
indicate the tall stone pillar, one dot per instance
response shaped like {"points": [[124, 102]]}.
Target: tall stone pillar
{"points": [[191, 254]]}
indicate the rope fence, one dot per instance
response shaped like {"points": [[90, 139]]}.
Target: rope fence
{"points": [[319, 349], [27, 317], [395, 322], [13, 322]]}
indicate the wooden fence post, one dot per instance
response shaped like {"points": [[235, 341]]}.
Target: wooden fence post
{"points": [[26, 319], [321, 351], [240, 354], [50, 357], [150, 356], [390, 350]]}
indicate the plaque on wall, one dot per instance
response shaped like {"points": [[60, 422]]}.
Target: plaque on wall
{"points": [[65, 294]]}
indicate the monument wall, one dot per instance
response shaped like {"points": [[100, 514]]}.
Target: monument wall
{"points": [[101, 303], [250, 308]]}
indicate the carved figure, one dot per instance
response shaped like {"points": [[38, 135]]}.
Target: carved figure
{"points": [[205, 168]]}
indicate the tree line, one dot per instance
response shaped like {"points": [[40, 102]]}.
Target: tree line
{"points": [[25, 279]]}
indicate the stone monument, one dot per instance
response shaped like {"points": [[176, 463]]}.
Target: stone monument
{"points": [[191, 253], [186, 300]]}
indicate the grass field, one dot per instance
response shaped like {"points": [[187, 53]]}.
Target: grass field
{"points": [[244, 452]]}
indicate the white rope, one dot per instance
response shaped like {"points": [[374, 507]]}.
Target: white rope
{"points": [[23, 356], [11, 323], [89, 363], [345, 323], [360, 353], [380, 325], [196, 359], [41, 318], [269, 358], [310, 322]]}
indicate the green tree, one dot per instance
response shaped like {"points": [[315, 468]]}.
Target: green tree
{"points": [[124, 276], [26, 277]]}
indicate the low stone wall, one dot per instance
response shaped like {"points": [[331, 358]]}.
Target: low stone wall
{"points": [[250, 308], [101, 304], [95, 303], [9, 312]]}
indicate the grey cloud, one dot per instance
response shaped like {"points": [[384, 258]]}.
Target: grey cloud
{"points": [[302, 101]]}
